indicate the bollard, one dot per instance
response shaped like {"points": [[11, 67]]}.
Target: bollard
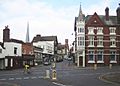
{"points": [[95, 66], [47, 74], [54, 75], [110, 66], [53, 65]]}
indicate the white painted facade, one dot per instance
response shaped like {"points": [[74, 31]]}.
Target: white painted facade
{"points": [[81, 41], [12, 49], [47, 46], [2, 51], [2, 57]]}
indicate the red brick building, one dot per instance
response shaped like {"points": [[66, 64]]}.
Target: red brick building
{"points": [[28, 53], [102, 38]]}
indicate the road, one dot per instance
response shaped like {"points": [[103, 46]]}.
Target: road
{"points": [[67, 75]]}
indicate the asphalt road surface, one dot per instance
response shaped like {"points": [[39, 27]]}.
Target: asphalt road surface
{"points": [[67, 75]]}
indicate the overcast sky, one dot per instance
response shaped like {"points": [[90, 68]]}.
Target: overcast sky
{"points": [[48, 17]]}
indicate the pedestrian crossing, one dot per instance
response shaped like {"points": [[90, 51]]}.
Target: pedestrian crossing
{"points": [[21, 78]]}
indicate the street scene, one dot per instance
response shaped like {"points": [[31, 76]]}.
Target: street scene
{"points": [[59, 43], [66, 75]]}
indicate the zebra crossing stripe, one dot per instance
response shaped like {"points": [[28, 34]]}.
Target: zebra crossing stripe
{"points": [[22, 78], [26, 77], [2, 79], [11, 78], [18, 78], [33, 77], [40, 77]]}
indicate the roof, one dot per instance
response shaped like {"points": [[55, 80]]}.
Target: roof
{"points": [[61, 46], [16, 41], [44, 38], [112, 19]]}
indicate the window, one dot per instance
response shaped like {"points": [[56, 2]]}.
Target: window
{"points": [[80, 41], [91, 56], [80, 30], [112, 41], [91, 40], [0, 50], [100, 40], [112, 29], [100, 56], [99, 30], [91, 30], [112, 56], [15, 50]]}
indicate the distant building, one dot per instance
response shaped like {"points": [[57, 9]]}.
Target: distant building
{"points": [[48, 44], [63, 50], [102, 38], [28, 53]]}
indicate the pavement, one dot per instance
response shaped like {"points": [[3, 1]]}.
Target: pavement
{"points": [[113, 78]]}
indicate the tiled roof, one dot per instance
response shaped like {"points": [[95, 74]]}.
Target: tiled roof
{"points": [[112, 19], [44, 38], [16, 41]]}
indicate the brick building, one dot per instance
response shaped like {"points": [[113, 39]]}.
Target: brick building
{"points": [[102, 38]]}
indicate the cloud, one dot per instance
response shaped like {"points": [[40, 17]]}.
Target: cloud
{"points": [[100, 8], [43, 19]]}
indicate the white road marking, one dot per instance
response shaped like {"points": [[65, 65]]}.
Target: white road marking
{"points": [[33, 77], [59, 84], [21, 78], [40, 77], [11, 79], [2, 79], [26, 77], [18, 78]]}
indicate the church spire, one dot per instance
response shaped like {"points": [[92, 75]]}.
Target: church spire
{"points": [[27, 33], [80, 16]]}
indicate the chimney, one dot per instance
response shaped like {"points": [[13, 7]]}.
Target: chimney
{"points": [[107, 14], [118, 14], [6, 34], [38, 35], [66, 41]]}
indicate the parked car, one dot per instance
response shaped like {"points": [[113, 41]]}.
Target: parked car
{"points": [[46, 61]]}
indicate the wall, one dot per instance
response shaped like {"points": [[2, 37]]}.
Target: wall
{"points": [[10, 48], [48, 46]]}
